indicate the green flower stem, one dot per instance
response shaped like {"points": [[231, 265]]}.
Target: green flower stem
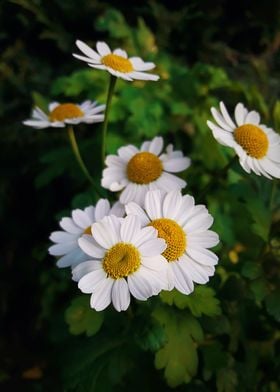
{"points": [[76, 151], [111, 88], [219, 175]]}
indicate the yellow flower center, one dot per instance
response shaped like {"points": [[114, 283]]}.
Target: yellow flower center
{"points": [[65, 111], [174, 236], [88, 231], [144, 168], [121, 260], [252, 139], [117, 63]]}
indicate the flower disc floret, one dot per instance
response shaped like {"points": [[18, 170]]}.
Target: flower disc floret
{"points": [[252, 139], [121, 260], [174, 237], [117, 63], [144, 168], [65, 111]]}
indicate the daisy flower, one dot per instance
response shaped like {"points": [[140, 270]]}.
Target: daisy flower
{"points": [[257, 146], [126, 259], [184, 226], [61, 114], [116, 63], [136, 171], [66, 240]]}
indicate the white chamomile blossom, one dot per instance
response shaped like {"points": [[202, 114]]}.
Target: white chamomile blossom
{"points": [[62, 114], [66, 241], [116, 62], [135, 171], [126, 259], [257, 146], [184, 226]]}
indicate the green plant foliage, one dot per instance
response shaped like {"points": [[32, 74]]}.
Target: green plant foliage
{"points": [[82, 319], [222, 337], [178, 357], [201, 301], [272, 304]]}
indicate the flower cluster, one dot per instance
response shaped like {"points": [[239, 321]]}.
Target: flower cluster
{"points": [[153, 238]]}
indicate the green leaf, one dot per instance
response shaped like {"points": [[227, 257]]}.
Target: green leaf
{"points": [[82, 319], [201, 301], [261, 216], [251, 270], [114, 22], [226, 380], [272, 303], [152, 337], [260, 289], [178, 357], [214, 356]]}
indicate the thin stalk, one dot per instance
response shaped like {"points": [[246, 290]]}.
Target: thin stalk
{"points": [[76, 151], [111, 88]]}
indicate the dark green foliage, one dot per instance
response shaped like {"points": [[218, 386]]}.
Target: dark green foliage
{"points": [[224, 336]]}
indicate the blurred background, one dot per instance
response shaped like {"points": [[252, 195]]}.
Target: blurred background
{"points": [[205, 52]]}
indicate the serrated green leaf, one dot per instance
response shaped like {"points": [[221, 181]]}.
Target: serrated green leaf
{"points": [[82, 319], [178, 357], [201, 301]]}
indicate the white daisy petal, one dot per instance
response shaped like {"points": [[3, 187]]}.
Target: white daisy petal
{"points": [[153, 247], [156, 145], [91, 247], [140, 65], [103, 49], [203, 256], [101, 297], [176, 165], [85, 268], [181, 281], [153, 204], [120, 295], [240, 114], [73, 258], [87, 50], [143, 235], [171, 204], [62, 248], [270, 167], [120, 52], [61, 236], [144, 76], [80, 218], [227, 116], [104, 232], [102, 209], [126, 153], [134, 209], [129, 228], [220, 120], [90, 281], [252, 118], [140, 286]]}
